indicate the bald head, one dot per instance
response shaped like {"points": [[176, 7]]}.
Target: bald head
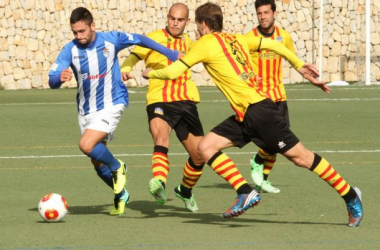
{"points": [[178, 18], [179, 7]]}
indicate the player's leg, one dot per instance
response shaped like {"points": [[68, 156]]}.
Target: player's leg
{"points": [[210, 150], [303, 157], [160, 131], [262, 164], [192, 171], [121, 198]]}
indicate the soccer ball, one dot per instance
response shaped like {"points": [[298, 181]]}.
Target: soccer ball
{"points": [[52, 207]]}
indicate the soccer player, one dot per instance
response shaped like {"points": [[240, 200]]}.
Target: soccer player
{"points": [[171, 105], [267, 67], [257, 118], [101, 97]]}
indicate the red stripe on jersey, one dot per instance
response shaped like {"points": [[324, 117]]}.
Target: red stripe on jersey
{"points": [[185, 76], [172, 89], [277, 30], [275, 78], [227, 54], [166, 82], [179, 80]]}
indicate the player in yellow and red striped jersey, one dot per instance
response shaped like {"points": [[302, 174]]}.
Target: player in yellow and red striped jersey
{"points": [[257, 118], [267, 66], [171, 105]]}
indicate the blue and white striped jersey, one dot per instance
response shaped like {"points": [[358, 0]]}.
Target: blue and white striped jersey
{"points": [[96, 69]]}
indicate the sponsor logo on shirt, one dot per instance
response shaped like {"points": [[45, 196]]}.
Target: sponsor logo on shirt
{"points": [[268, 55], [79, 57], [279, 39], [86, 76]]}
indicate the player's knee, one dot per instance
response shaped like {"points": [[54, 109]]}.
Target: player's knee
{"points": [[85, 147]]}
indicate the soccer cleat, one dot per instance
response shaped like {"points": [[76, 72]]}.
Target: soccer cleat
{"points": [[119, 204], [355, 209], [119, 178], [267, 187], [189, 202], [257, 172], [242, 203], [158, 191]]}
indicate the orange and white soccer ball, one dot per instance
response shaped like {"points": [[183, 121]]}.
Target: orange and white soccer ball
{"points": [[53, 207]]}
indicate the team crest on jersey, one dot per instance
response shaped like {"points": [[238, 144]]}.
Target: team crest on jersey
{"points": [[159, 111], [279, 39], [106, 52]]}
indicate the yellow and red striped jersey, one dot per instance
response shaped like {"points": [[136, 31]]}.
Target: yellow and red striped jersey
{"points": [[267, 65], [180, 89], [227, 59]]}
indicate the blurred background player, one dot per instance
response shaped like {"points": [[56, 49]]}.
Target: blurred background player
{"points": [[257, 118], [92, 56], [171, 105], [268, 70]]}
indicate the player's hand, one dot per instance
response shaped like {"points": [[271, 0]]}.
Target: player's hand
{"points": [[146, 72], [66, 75], [180, 55], [126, 76], [310, 73]]}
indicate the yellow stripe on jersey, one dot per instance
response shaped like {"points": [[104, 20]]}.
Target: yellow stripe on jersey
{"points": [[179, 89], [267, 65], [226, 58]]}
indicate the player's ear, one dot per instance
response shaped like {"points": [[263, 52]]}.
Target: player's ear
{"points": [[275, 14], [92, 26]]}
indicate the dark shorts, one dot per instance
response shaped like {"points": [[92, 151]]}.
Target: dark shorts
{"points": [[263, 124], [283, 107], [182, 116]]}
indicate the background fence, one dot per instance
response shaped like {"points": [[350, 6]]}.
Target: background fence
{"points": [[32, 32]]}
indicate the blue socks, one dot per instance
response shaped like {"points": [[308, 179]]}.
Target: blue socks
{"points": [[102, 154], [104, 173]]}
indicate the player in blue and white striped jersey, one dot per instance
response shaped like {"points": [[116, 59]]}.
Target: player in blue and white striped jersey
{"points": [[101, 96]]}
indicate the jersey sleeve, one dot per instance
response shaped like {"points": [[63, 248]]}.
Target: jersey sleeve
{"points": [[288, 42], [128, 64], [62, 62], [128, 39], [196, 54]]}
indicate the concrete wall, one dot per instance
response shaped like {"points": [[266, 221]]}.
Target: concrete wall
{"points": [[32, 32]]}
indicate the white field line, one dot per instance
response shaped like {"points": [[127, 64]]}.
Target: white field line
{"points": [[173, 154], [206, 101]]}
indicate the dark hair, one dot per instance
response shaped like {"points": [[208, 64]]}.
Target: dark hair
{"points": [[81, 14], [211, 14], [260, 3]]}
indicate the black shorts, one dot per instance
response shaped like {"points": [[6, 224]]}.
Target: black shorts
{"points": [[263, 124], [182, 116], [283, 107]]}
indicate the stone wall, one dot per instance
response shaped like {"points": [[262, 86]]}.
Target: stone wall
{"points": [[32, 32]]}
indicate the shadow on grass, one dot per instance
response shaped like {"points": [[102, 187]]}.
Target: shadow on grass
{"points": [[149, 210]]}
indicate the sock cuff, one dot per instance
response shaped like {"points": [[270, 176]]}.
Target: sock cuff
{"points": [[161, 149], [191, 163], [212, 159], [316, 161]]}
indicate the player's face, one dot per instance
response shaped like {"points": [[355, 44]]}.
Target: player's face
{"points": [[83, 32], [177, 20], [266, 16]]}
